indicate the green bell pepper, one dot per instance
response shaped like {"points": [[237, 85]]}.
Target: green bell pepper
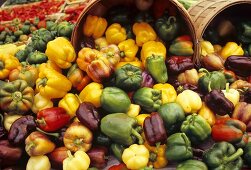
{"points": [[115, 100], [156, 66], [244, 32], [247, 154], [51, 26], [182, 46], [101, 139], [167, 27], [64, 29], [117, 150], [192, 165], [178, 147], [223, 155], [22, 55], [172, 115], [36, 57], [16, 97], [121, 128], [128, 77], [149, 99], [40, 38], [144, 16], [212, 80], [196, 128], [119, 14]]}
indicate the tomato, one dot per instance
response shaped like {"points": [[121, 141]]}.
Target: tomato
{"points": [[41, 24]]}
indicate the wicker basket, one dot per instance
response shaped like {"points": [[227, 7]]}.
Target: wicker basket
{"points": [[99, 8]]}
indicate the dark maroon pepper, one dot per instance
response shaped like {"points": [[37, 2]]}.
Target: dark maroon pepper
{"points": [[218, 103], [20, 129], [88, 115], [179, 64], [247, 96], [240, 65], [148, 81], [154, 129], [97, 156]]}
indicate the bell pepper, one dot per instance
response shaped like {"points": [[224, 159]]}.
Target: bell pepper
{"points": [[8, 120], [218, 103], [156, 66], [152, 48], [38, 163], [168, 92], [207, 114], [40, 103], [117, 150], [231, 48], [79, 161], [141, 118], [223, 155], [136, 63], [190, 101], [61, 52], [136, 156], [112, 53], [167, 27], [232, 95], [206, 48], [98, 156], [101, 139], [16, 97], [228, 129], [244, 141], [120, 166], [115, 34], [70, 103], [28, 73], [144, 33], [247, 154], [100, 43], [179, 64], [134, 110], [148, 81], [97, 66], [36, 57], [115, 100], [52, 119], [243, 32], [149, 99], [38, 144], [144, 16], [154, 129], [119, 14], [239, 65], [247, 96], [230, 76], [191, 164], [217, 48], [120, 128], [57, 157], [189, 77], [50, 64], [94, 26], [196, 128], [7, 64], [213, 62], [178, 147], [128, 50], [182, 46], [211, 80], [40, 39], [240, 84], [242, 112], [51, 84]]}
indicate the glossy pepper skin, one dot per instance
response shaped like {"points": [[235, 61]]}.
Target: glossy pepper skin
{"points": [[94, 26], [115, 34], [242, 112], [192, 164], [179, 64], [156, 66], [7, 64], [243, 32], [169, 94], [239, 65], [228, 130], [79, 161], [189, 77], [120, 128], [223, 155], [196, 128], [38, 162], [136, 63], [61, 52], [36, 57], [57, 157], [247, 154], [117, 150], [230, 76], [213, 99], [52, 119], [97, 156], [178, 147], [40, 102], [232, 95], [154, 129], [144, 33], [182, 46], [70, 103], [119, 14], [231, 48], [207, 114], [112, 53], [16, 97], [206, 48], [149, 99], [128, 50]]}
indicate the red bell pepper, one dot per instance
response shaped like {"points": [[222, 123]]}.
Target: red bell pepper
{"points": [[52, 119], [228, 129], [120, 166]]}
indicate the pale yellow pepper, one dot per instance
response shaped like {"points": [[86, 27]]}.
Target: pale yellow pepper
{"points": [[232, 94], [40, 102], [231, 48], [100, 43], [9, 119], [70, 103], [206, 48], [128, 50], [38, 163], [80, 161], [207, 114], [134, 110], [169, 93], [141, 118], [144, 33], [115, 34]]}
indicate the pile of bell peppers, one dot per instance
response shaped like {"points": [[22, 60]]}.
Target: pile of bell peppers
{"points": [[133, 92]]}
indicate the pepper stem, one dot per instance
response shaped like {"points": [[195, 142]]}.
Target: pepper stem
{"points": [[50, 134], [227, 87], [41, 121], [153, 157], [122, 54], [42, 82], [79, 98], [203, 70], [69, 154], [138, 136], [170, 19], [233, 157], [209, 86]]}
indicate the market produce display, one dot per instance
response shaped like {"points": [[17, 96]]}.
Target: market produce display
{"points": [[131, 92]]}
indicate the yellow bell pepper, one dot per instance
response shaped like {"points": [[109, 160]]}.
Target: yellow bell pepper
{"points": [[231, 48], [51, 84], [100, 43], [136, 157], [38, 163], [10, 49], [94, 26], [134, 63], [144, 33], [232, 94], [141, 117], [169, 93], [152, 48], [206, 48], [92, 93], [9, 119], [190, 101], [61, 52], [217, 48], [80, 161], [134, 110], [128, 50], [115, 34], [70, 103], [50, 64], [40, 102], [7, 64], [207, 114]]}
